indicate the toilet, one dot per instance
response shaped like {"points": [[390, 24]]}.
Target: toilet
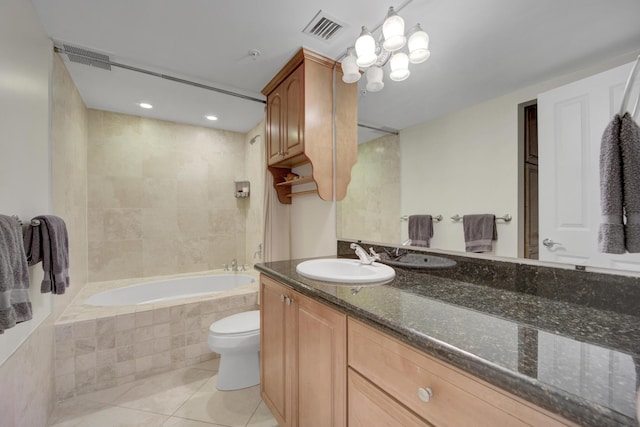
{"points": [[237, 339]]}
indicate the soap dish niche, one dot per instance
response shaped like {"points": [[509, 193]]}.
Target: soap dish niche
{"points": [[242, 189]]}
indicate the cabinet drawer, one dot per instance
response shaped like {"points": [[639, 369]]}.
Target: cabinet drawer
{"points": [[458, 399], [369, 406]]}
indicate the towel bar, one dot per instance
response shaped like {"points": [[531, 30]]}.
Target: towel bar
{"points": [[505, 218], [34, 222], [437, 218]]}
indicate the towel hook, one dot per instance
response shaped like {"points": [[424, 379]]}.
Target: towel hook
{"points": [[627, 88]]}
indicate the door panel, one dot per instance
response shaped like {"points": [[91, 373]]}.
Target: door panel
{"points": [[571, 121]]}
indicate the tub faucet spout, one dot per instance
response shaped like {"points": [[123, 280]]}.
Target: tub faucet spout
{"points": [[234, 265]]}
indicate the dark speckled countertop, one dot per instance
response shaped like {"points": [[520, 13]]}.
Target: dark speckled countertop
{"points": [[577, 361]]}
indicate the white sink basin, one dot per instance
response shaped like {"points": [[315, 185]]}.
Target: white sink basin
{"points": [[345, 271]]}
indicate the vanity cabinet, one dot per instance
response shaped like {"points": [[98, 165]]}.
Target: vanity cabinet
{"points": [[411, 383], [312, 116], [303, 362]]}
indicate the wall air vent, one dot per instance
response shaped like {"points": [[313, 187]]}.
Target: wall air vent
{"points": [[87, 57], [323, 27]]}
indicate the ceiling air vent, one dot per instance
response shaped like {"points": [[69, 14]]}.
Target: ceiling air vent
{"points": [[87, 57], [323, 26]]}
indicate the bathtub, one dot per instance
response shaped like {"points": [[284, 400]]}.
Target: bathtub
{"points": [[116, 332], [168, 290]]}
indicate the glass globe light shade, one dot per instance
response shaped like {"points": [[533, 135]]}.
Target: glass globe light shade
{"points": [[374, 79], [366, 49], [399, 64], [393, 31], [418, 45], [350, 70]]}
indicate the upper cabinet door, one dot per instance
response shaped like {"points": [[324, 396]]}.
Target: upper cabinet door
{"points": [[293, 143], [275, 118]]}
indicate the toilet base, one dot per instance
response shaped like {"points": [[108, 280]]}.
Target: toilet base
{"points": [[238, 371]]}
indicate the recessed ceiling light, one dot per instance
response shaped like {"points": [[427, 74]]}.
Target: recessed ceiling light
{"points": [[212, 118], [145, 105]]}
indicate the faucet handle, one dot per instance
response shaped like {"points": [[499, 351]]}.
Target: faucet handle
{"points": [[225, 267], [374, 255], [244, 267]]}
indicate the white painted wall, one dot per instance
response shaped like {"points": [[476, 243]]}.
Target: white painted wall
{"points": [[313, 223], [25, 172]]}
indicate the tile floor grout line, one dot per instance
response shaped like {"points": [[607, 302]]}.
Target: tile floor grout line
{"points": [[253, 414]]}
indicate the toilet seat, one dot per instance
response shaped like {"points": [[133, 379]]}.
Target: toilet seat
{"points": [[241, 324]]}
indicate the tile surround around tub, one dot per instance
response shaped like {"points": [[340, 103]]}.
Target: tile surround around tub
{"points": [[115, 349]]}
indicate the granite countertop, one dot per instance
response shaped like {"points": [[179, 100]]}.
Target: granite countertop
{"points": [[577, 361]]}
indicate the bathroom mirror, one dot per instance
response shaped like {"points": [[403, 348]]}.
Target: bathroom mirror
{"points": [[472, 159]]}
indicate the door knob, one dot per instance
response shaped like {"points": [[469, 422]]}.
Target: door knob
{"points": [[549, 243]]}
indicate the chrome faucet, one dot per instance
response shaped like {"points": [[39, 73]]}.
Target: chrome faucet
{"points": [[362, 254], [234, 265], [407, 242]]}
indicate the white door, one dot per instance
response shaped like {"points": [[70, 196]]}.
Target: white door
{"points": [[571, 120]]}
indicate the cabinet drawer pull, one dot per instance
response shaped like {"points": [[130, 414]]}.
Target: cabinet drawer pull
{"points": [[282, 297], [425, 394], [289, 301]]}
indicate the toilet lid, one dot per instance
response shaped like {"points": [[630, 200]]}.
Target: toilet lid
{"points": [[248, 321]]}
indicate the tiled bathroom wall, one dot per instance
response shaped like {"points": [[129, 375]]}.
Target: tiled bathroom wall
{"points": [[161, 197], [376, 218]]}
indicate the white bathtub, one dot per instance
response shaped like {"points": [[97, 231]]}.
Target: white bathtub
{"points": [[167, 290]]}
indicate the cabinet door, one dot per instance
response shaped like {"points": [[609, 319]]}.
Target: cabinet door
{"points": [[293, 90], [322, 364], [274, 125], [275, 376]]}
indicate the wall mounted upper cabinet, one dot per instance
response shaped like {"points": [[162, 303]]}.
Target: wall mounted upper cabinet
{"points": [[304, 108]]}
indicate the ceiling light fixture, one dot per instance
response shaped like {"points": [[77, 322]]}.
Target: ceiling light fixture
{"points": [[212, 118], [145, 105], [373, 56]]}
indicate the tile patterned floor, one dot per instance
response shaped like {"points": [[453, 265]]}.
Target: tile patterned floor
{"points": [[182, 398]]}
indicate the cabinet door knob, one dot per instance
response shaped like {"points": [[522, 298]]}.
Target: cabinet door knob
{"points": [[425, 394], [282, 297], [289, 301]]}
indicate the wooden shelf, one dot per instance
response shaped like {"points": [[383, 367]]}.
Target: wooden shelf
{"points": [[300, 193], [301, 180]]}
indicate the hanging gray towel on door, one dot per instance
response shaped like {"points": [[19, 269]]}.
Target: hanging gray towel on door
{"points": [[611, 231], [630, 149]]}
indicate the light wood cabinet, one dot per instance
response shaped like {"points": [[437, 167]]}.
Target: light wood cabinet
{"points": [[305, 107], [302, 358], [285, 120], [438, 393], [369, 406]]}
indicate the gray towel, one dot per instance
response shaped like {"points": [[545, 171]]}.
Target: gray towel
{"points": [[49, 243], [611, 231], [479, 232], [420, 230], [630, 148], [15, 306]]}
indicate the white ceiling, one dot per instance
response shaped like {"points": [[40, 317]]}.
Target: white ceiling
{"points": [[480, 50]]}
